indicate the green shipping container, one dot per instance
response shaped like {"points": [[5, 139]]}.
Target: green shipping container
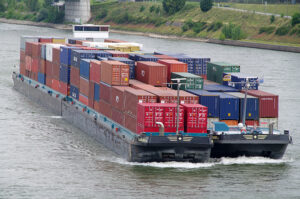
{"points": [[215, 70], [192, 81]]}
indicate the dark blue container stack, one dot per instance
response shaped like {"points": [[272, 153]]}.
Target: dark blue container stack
{"points": [[218, 88], [77, 55], [145, 58], [132, 56], [64, 73], [96, 92], [41, 78], [65, 54], [130, 62], [74, 92], [210, 100], [238, 81], [72, 41], [185, 59], [103, 54], [200, 65], [85, 68], [229, 107]]}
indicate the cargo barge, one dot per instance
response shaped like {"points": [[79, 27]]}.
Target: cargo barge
{"points": [[148, 106]]}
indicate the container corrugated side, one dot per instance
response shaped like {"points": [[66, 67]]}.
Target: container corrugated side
{"points": [[115, 73], [151, 73]]}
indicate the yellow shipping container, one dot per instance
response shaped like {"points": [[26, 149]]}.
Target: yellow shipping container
{"points": [[59, 41]]}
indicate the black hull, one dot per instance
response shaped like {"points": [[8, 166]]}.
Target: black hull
{"points": [[270, 146]]}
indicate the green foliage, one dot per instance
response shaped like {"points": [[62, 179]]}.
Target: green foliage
{"points": [[43, 15], [272, 19], [142, 8], [268, 30], [173, 6], [10, 14], [102, 14], [152, 8], [2, 6], [296, 19], [199, 26], [283, 30], [215, 26], [296, 30], [232, 31], [282, 15], [222, 37], [157, 10], [33, 5], [185, 27], [206, 5], [47, 3], [55, 16]]}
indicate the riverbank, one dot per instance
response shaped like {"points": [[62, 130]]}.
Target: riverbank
{"points": [[215, 41]]}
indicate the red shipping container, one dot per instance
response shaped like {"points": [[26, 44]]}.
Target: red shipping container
{"points": [[28, 63], [115, 73], [105, 92], [117, 97], [97, 106], [45, 40], [83, 99], [135, 96], [55, 85], [28, 48], [151, 73], [75, 76], [22, 68], [56, 55], [35, 65], [195, 118], [22, 56], [91, 94], [139, 85], [173, 66], [184, 97], [170, 118], [130, 123], [42, 66], [105, 108], [204, 76], [251, 122], [164, 57], [84, 86], [95, 71], [268, 103], [88, 48], [118, 116], [116, 53], [48, 81], [55, 70], [36, 50], [64, 88], [49, 69], [34, 76]]}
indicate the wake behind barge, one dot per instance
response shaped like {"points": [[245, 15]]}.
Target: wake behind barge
{"points": [[184, 147]]}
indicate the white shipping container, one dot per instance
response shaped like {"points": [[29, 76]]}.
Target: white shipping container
{"points": [[210, 122], [264, 122], [24, 39], [49, 50]]}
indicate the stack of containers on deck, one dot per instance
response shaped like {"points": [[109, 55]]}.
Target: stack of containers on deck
{"points": [[149, 114], [95, 77], [252, 108], [84, 82], [216, 70], [239, 79], [200, 66], [53, 62], [115, 53], [173, 66], [138, 57], [268, 108], [130, 62], [113, 73], [151, 73], [195, 118], [32, 57], [191, 81]]}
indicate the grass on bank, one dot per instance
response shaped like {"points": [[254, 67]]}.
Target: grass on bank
{"points": [[130, 17]]}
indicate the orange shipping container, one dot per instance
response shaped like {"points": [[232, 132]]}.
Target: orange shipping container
{"points": [[230, 122], [42, 66], [55, 85], [95, 71], [22, 68], [115, 73], [35, 65], [151, 73], [173, 66], [83, 99], [28, 63], [105, 108]]}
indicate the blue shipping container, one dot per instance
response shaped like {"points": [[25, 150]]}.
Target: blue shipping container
{"points": [[218, 88], [41, 78], [96, 92], [103, 54], [130, 62], [64, 74], [238, 81], [85, 68], [252, 109], [210, 100], [145, 58], [65, 54], [74, 92], [229, 107], [77, 55]]}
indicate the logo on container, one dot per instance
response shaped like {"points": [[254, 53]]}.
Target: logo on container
{"points": [[117, 99], [143, 73]]}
